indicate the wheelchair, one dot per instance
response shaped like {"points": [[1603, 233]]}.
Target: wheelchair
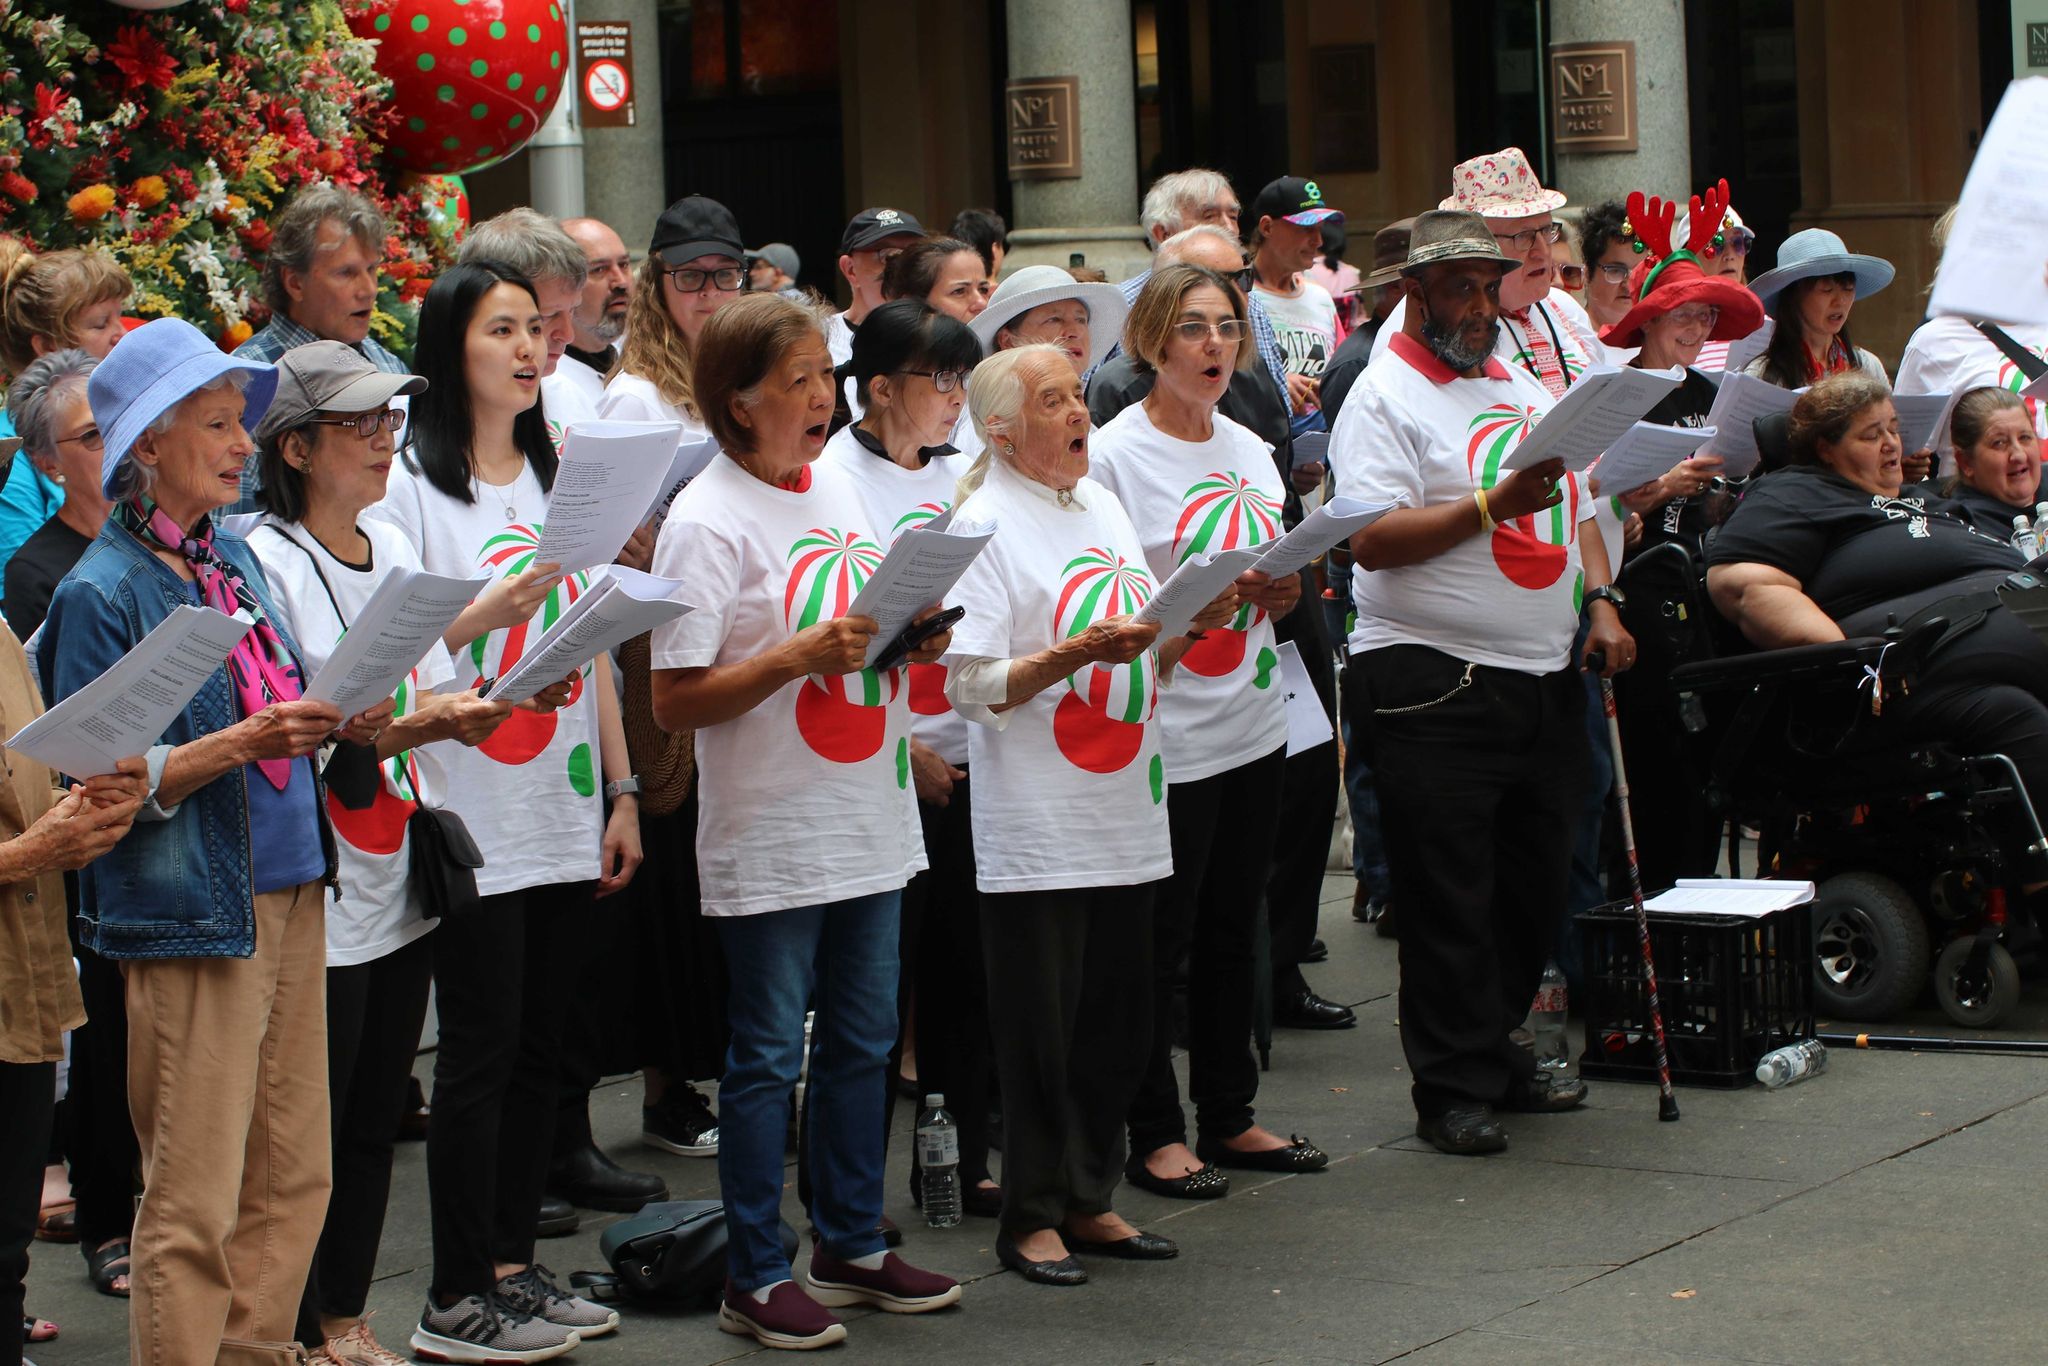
{"points": [[1918, 851]]}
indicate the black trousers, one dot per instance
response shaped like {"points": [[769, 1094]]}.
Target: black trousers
{"points": [[678, 1005], [596, 1034], [1308, 808], [497, 1078], [1480, 800], [1070, 1009], [1207, 914], [99, 1140], [375, 1012], [950, 983], [28, 1094]]}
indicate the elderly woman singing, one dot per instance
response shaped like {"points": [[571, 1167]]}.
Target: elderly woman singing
{"points": [[215, 900]]}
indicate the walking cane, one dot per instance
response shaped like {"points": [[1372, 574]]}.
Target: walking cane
{"points": [[1667, 1103]]}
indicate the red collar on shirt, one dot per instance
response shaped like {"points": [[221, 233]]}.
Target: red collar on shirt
{"points": [[1432, 369]]}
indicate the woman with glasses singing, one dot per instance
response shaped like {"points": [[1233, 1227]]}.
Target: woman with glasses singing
{"points": [[1195, 483], [1607, 244], [910, 365]]}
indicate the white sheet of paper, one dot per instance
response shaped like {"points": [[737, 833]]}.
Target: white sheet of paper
{"points": [[407, 612], [608, 479], [1601, 405], [621, 604], [1646, 451], [1194, 586], [1743, 350], [1329, 524], [1997, 249], [1308, 725], [920, 569], [690, 459], [1742, 399], [1920, 417], [1748, 898], [124, 711]]}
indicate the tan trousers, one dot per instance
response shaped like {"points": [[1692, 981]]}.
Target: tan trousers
{"points": [[227, 1080]]}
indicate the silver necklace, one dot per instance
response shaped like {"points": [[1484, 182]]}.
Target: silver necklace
{"points": [[503, 496]]}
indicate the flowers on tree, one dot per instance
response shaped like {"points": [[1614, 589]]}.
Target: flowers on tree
{"points": [[95, 201]]}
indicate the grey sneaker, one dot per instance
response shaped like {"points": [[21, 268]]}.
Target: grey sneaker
{"points": [[480, 1328], [534, 1291]]}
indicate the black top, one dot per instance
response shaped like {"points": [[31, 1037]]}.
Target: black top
{"points": [[1980, 509], [1346, 364], [1850, 550], [33, 574], [1688, 517], [600, 361]]}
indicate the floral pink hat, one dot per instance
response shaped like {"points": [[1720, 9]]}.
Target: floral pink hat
{"points": [[1500, 185]]}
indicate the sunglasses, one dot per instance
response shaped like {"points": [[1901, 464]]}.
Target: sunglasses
{"points": [[364, 425]]}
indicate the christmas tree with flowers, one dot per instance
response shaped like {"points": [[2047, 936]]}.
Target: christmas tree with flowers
{"points": [[169, 135]]}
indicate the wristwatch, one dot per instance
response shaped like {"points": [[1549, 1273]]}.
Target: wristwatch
{"points": [[1608, 593], [624, 787]]}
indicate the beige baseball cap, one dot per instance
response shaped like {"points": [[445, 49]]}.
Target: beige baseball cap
{"points": [[328, 377]]}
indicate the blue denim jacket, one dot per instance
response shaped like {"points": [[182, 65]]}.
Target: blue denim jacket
{"points": [[182, 887]]}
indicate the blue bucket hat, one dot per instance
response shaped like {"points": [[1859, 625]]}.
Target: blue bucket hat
{"points": [[1815, 252], [151, 371]]}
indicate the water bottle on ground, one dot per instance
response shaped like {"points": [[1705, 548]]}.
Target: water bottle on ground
{"points": [[1547, 1021], [938, 1161], [1793, 1062]]}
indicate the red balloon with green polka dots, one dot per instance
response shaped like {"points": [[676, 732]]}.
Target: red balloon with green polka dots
{"points": [[471, 79]]}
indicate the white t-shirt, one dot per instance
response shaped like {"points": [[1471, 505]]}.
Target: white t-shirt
{"points": [[1561, 319], [376, 912], [1948, 355], [839, 338], [570, 395], [532, 794], [899, 500], [1192, 498], [1305, 323], [1416, 434], [1069, 787], [630, 398], [806, 798]]}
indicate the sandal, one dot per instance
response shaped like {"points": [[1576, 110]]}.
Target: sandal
{"points": [[106, 1265], [58, 1222], [34, 1329]]}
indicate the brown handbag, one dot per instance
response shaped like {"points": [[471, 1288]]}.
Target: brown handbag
{"points": [[665, 763]]}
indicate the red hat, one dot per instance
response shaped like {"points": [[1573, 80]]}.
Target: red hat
{"points": [[1672, 279]]}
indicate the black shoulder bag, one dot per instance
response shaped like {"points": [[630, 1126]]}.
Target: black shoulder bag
{"points": [[444, 855]]}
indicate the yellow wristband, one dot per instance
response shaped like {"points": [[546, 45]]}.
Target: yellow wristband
{"points": [[1486, 522]]}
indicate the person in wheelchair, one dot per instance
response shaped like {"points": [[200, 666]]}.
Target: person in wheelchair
{"points": [[1997, 461]]}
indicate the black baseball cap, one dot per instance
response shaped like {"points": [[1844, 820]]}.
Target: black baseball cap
{"points": [[694, 226], [870, 226], [1294, 199]]}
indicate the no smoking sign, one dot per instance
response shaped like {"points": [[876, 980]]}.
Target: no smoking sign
{"points": [[604, 53]]}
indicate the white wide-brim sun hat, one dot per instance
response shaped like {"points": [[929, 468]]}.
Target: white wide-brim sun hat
{"points": [[1025, 289], [1815, 252]]}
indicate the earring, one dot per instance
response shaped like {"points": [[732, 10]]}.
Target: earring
{"points": [[60, 476], [1008, 449]]}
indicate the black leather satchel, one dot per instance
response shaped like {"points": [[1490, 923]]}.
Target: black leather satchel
{"points": [[444, 862]]}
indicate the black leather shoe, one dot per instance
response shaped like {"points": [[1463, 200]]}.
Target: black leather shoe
{"points": [[1464, 1131], [589, 1179], [982, 1202], [1304, 1009], [1139, 1247], [558, 1218], [1299, 1155], [1544, 1093], [1198, 1183], [1318, 952], [1065, 1271]]}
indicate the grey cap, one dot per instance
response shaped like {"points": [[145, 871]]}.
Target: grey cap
{"points": [[780, 255], [1453, 235], [330, 377]]}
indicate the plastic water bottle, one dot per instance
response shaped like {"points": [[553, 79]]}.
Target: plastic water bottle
{"points": [[2041, 523], [938, 1161], [2024, 538], [1793, 1062], [1547, 1020]]}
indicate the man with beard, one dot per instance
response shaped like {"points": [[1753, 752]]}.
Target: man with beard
{"points": [[1470, 710], [600, 316]]}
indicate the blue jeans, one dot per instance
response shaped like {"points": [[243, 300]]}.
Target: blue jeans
{"points": [[839, 958]]}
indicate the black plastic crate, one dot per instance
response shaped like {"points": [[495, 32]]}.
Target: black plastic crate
{"points": [[1732, 990]]}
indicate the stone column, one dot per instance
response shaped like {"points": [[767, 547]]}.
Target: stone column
{"points": [[1097, 213], [624, 169], [1662, 161]]}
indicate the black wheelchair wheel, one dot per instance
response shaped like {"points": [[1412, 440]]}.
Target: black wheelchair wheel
{"points": [[1981, 1000], [1871, 948]]}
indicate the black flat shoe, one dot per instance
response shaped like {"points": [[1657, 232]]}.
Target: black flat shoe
{"points": [[1299, 1155], [1318, 952], [1203, 1183], [557, 1218], [1065, 1271], [1543, 1093], [589, 1179], [982, 1203], [1139, 1247], [1304, 1009], [1464, 1131]]}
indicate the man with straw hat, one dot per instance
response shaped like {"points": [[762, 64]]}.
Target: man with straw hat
{"points": [[1465, 696], [1544, 332]]}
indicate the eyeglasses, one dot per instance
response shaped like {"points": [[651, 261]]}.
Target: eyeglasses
{"points": [[1197, 331], [945, 381], [1695, 315], [1571, 277], [1525, 241], [364, 425], [90, 438], [1614, 272], [690, 280]]}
